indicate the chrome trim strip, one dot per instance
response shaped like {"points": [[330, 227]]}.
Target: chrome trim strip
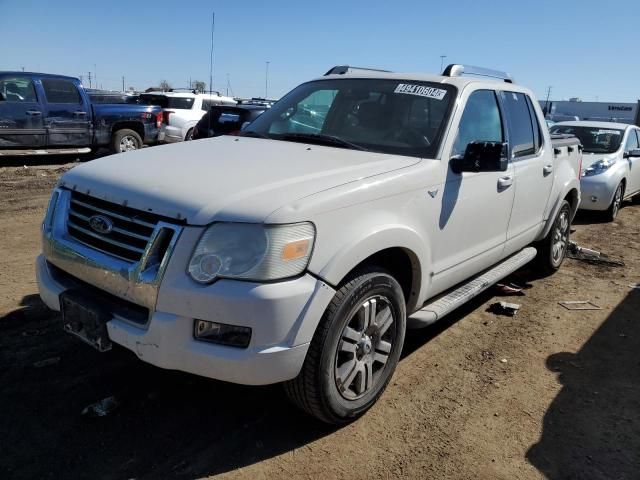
{"points": [[137, 282], [105, 239], [113, 214]]}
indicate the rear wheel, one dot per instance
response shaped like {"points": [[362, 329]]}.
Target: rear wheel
{"points": [[125, 140], [553, 248], [189, 135], [354, 351], [616, 203]]}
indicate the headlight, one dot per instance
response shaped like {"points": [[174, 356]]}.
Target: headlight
{"points": [[598, 167], [249, 251]]}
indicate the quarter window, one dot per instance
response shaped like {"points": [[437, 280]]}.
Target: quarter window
{"points": [[61, 91], [521, 136], [480, 121], [632, 141], [17, 89]]}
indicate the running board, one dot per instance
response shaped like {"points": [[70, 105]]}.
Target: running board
{"points": [[439, 307], [46, 151]]}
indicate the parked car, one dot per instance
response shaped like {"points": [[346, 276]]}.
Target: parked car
{"points": [[300, 251], [611, 163], [223, 120], [182, 110], [54, 114]]}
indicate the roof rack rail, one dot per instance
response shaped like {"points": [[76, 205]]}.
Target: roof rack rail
{"points": [[342, 69], [455, 70]]}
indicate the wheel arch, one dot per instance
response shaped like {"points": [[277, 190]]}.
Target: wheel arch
{"points": [[131, 125]]}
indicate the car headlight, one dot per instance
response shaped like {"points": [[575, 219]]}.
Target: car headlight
{"points": [[598, 167], [248, 251]]}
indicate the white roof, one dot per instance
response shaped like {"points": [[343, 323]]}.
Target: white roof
{"points": [[587, 123]]}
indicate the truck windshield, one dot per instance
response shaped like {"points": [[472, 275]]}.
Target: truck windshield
{"points": [[593, 139], [402, 117]]}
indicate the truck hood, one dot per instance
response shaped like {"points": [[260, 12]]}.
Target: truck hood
{"points": [[225, 178]]}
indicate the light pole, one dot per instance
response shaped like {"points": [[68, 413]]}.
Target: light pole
{"points": [[266, 81], [442, 57]]}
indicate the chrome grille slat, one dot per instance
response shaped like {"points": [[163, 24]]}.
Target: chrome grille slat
{"points": [[102, 250], [113, 214], [115, 229], [106, 239]]}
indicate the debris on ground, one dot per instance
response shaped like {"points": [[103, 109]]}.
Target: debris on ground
{"points": [[504, 308], [102, 408], [593, 257], [509, 289], [579, 305], [46, 362], [503, 360]]}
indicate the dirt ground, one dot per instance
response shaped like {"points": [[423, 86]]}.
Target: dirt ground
{"points": [[549, 393]]}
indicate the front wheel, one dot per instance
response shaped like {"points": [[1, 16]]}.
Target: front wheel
{"points": [[614, 208], [553, 248], [354, 351], [125, 140]]}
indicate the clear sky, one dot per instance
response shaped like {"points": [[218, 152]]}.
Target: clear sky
{"points": [[588, 49]]}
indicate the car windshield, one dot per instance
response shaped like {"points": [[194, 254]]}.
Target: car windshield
{"points": [[380, 115], [593, 139], [167, 102]]}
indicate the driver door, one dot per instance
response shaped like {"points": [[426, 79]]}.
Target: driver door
{"points": [[476, 206]]}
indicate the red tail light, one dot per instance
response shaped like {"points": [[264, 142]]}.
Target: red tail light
{"points": [[165, 116], [159, 118]]}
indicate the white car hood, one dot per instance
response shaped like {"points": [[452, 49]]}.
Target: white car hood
{"points": [[225, 178], [589, 158]]}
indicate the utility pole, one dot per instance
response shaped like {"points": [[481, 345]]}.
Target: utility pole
{"points": [[442, 57], [546, 104], [123, 83], [95, 74], [227, 85], [23, 69], [266, 82], [89, 74], [213, 25]]}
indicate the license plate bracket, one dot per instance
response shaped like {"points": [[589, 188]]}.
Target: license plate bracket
{"points": [[86, 319]]}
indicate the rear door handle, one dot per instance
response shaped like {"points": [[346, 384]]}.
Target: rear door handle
{"points": [[505, 182], [547, 169], [80, 114], [34, 113]]}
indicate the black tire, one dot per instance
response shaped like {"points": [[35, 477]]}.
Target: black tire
{"points": [[125, 140], [315, 390], [549, 260], [189, 135], [616, 203]]}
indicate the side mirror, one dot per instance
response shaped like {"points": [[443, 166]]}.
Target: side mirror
{"points": [[482, 157], [633, 153], [245, 125]]}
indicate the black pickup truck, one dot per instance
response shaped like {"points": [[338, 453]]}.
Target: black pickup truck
{"points": [[43, 113]]}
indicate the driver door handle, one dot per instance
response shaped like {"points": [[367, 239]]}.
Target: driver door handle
{"points": [[505, 182], [80, 114], [34, 113], [547, 169]]}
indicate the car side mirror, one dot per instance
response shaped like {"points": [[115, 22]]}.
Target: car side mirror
{"points": [[245, 125], [482, 157], [633, 153]]}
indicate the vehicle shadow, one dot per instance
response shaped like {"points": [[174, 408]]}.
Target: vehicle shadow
{"points": [[591, 430], [165, 424], [37, 160]]}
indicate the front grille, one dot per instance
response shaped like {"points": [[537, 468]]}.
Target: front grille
{"points": [[130, 233]]}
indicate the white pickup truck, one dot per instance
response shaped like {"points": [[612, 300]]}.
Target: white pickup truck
{"points": [[364, 202]]}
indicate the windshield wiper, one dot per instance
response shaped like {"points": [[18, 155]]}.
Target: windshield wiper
{"points": [[252, 133], [320, 139]]}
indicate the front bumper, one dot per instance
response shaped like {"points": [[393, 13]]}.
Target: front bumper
{"points": [[282, 315], [597, 191]]}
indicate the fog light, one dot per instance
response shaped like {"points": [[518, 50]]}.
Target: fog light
{"points": [[222, 333]]}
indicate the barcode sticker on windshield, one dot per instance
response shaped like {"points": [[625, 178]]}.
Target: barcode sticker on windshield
{"points": [[420, 90]]}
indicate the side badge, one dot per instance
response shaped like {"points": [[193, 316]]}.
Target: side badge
{"points": [[432, 193]]}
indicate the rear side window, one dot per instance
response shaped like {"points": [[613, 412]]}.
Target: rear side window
{"points": [[480, 121], [537, 132], [184, 103], [521, 135], [17, 89], [61, 91]]}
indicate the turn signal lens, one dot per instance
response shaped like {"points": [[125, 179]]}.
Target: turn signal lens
{"points": [[294, 250]]}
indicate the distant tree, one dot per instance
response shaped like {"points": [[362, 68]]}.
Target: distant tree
{"points": [[164, 85], [199, 86]]}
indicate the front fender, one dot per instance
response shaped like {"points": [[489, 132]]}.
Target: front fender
{"points": [[349, 255]]}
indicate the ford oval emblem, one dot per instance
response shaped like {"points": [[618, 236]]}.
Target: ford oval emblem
{"points": [[101, 224]]}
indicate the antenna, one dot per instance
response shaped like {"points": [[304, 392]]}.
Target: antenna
{"points": [[546, 105], [213, 25]]}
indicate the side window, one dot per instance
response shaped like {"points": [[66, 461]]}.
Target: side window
{"points": [[308, 116], [632, 141], [61, 91], [17, 89], [537, 132], [521, 135], [480, 121], [206, 105]]}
